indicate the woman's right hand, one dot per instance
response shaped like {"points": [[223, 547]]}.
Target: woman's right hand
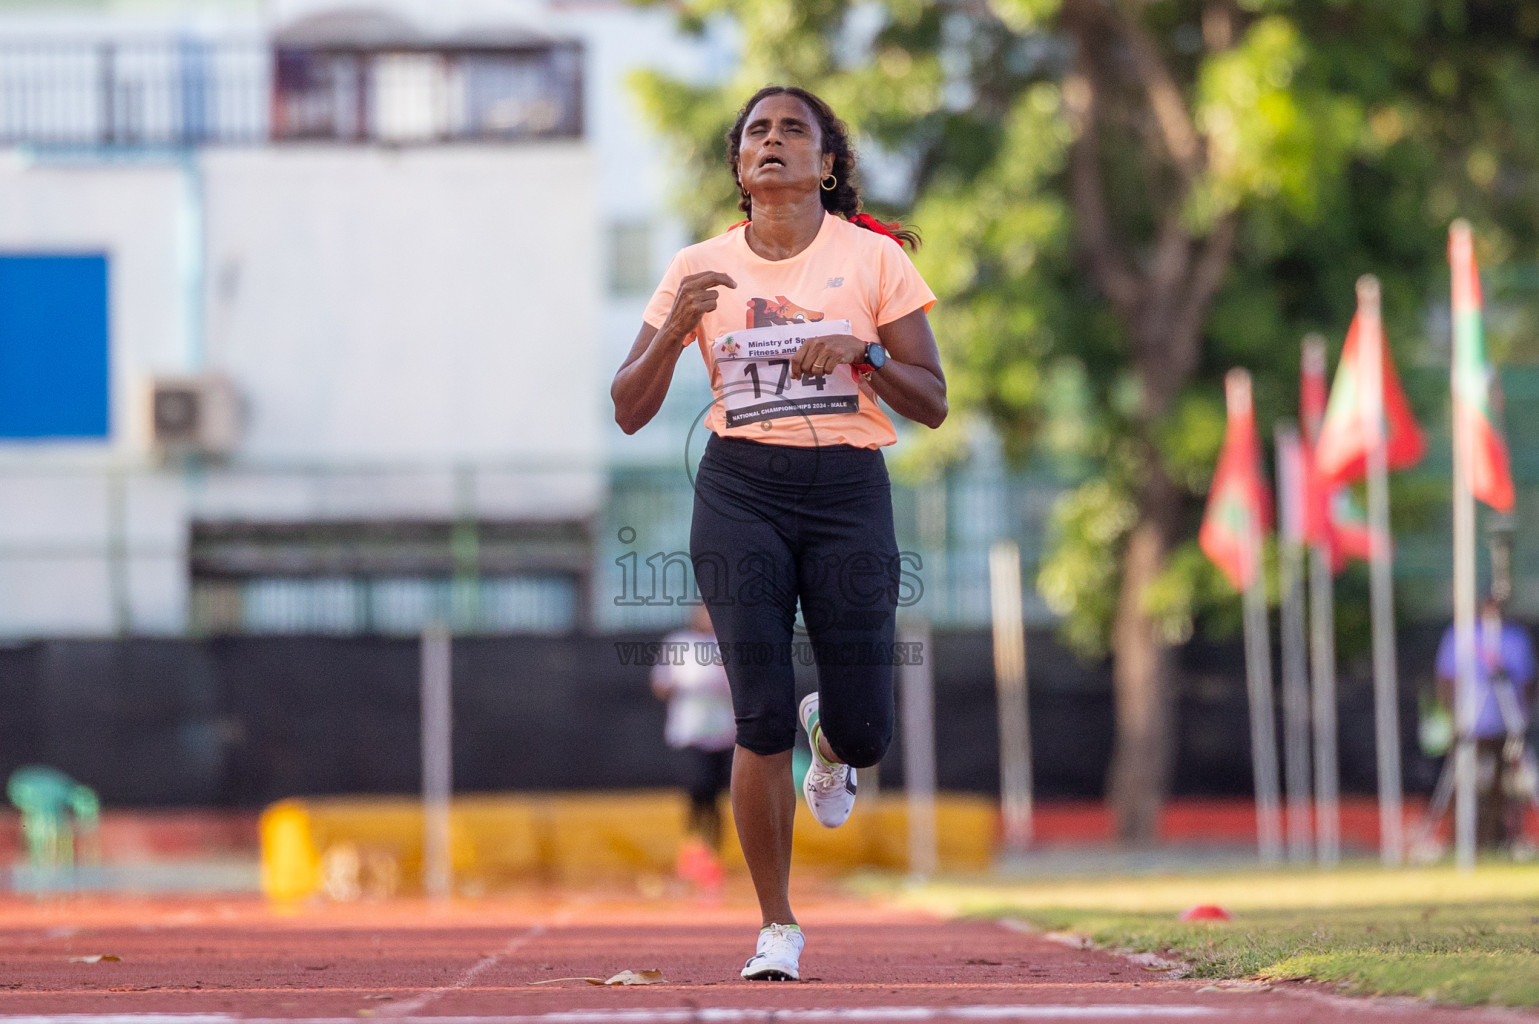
{"points": [[695, 298], [642, 383]]}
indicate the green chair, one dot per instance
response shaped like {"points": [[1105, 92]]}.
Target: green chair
{"points": [[54, 807]]}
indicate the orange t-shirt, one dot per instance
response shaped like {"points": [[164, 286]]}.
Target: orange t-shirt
{"points": [[848, 281]]}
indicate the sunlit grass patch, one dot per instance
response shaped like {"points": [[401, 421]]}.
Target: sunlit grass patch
{"points": [[1435, 933]]}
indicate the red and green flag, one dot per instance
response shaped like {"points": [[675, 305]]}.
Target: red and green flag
{"points": [[1236, 514], [1476, 388], [1333, 518], [1317, 504], [1341, 452]]}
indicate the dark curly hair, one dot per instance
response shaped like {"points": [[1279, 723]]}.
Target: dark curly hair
{"points": [[844, 197]]}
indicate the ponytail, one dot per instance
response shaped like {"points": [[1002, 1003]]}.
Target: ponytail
{"points": [[895, 231]]}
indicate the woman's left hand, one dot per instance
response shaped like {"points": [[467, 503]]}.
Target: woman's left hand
{"points": [[820, 355]]}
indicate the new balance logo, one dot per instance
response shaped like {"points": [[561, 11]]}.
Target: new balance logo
{"points": [[835, 282]]}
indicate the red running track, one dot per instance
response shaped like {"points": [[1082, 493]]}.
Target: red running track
{"points": [[480, 962]]}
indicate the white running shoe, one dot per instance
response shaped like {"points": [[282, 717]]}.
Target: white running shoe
{"points": [[778, 954], [829, 788]]}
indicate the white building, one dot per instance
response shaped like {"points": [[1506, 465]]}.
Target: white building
{"points": [[307, 316]]}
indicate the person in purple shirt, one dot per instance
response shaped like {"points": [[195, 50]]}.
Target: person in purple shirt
{"points": [[1503, 691]]}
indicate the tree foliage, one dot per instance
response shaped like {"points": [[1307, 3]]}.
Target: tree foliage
{"points": [[1347, 133], [1095, 177]]}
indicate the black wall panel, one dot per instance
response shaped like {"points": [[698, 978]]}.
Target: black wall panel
{"points": [[242, 721]]}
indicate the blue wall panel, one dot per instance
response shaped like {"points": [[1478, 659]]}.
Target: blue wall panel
{"points": [[53, 347]]}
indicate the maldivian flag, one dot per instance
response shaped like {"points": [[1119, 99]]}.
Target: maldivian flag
{"points": [[1476, 394], [1333, 518], [1317, 496], [1341, 453], [1236, 514]]}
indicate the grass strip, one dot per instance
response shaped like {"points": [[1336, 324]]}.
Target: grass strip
{"points": [[1430, 933]]}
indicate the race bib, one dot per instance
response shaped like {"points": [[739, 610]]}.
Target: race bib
{"points": [[756, 381]]}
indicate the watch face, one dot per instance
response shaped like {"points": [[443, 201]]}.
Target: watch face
{"points": [[876, 355]]}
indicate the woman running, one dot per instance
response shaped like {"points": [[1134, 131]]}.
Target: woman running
{"points": [[805, 313]]}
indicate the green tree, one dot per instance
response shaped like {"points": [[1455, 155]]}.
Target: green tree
{"points": [[1120, 200]]}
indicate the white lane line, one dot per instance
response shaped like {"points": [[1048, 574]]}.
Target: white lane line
{"points": [[730, 1015], [685, 1015], [406, 1007]]}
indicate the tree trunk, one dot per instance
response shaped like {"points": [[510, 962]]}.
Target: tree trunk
{"points": [[1162, 299], [1139, 777]]}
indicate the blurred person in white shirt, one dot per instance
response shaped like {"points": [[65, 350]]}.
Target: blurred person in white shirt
{"points": [[691, 678]]}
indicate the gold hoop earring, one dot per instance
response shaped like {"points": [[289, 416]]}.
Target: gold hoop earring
{"points": [[827, 187]]}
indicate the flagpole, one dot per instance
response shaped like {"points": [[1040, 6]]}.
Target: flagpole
{"points": [[1464, 586], [1464, 657], [1322, 656], [1322, 650], [1295, 679], [1010, 693], [1386, 710], [1258, 659]]}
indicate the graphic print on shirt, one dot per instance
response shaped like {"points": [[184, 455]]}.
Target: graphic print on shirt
{"points": [[755, 366], [778, 312]]}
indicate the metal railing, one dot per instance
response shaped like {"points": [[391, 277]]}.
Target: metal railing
{"points": [[164, 92], [191, 91]]}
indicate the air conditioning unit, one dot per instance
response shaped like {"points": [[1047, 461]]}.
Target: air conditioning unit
{"points": [[194, 415]]}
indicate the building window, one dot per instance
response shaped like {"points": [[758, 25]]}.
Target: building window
{"points": [[53, 347], [387, 607], [513, 604], [389, 578], [427, 95]]}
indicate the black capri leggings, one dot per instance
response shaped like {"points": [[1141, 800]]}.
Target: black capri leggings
{"points": [[774, 524]]}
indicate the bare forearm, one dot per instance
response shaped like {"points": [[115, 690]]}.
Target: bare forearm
{"points": [[642, 384], [913, 392]]}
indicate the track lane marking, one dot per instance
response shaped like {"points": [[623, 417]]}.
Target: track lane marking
{"points": [[404, 1009], [683, 1015]]}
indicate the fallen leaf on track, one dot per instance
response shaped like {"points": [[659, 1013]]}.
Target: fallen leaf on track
{"points": [[95, 958], [552, 981], [651, 976]]}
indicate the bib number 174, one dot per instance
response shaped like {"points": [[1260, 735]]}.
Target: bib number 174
{"points": [[755, 368]]}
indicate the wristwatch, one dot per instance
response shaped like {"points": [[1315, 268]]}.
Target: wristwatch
{"points": [[875, 357]]}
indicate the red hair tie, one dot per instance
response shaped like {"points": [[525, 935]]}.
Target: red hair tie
{"points": [[864, 220], [870, 223]]}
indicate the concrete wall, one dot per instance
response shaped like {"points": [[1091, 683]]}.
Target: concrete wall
{"points": [[389, 315], [63, 511], [428, 307], [384, 314]]}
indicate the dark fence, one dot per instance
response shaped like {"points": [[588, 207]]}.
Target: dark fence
{"points": [[242, 721]]}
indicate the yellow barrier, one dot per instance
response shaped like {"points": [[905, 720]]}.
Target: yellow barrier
{"points": [[350, 846]]}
